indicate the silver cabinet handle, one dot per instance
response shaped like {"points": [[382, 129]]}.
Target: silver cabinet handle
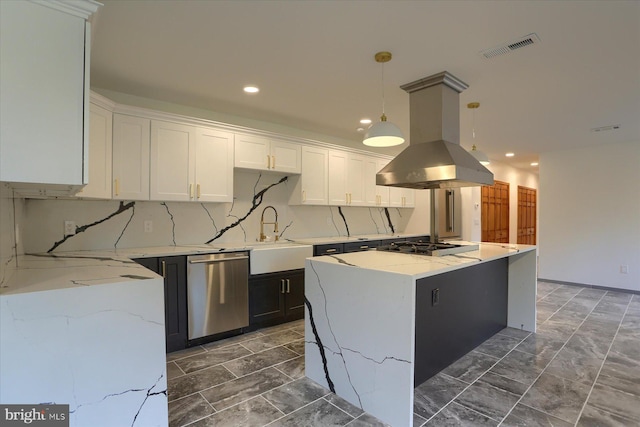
{"points": [[164, 269], [328, 251], [211, 261], [364, 247], [282, 286], [288, 286]]}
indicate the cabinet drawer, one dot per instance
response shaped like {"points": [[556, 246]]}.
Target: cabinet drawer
{"points": [[361, 246], [330, 249]]}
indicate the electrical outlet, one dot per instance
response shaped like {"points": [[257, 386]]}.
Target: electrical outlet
{"points": [[69, 228], [148, 226], [328, 220], [435, 296], [624, 269]]}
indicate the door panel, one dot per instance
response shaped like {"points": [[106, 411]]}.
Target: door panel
{"points": [[527, 215], [495, 212]]}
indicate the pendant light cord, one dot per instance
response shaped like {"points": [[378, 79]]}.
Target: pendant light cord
{"points": [[382, 86]]}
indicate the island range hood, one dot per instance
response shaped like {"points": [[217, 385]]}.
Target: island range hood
{"points": [[434, 158]]}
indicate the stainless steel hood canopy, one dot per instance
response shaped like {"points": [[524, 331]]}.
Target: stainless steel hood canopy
{"points": [[434, 158]]}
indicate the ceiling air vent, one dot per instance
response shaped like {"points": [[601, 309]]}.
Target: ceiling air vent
{"points": [[605, 128], [527, 40]]}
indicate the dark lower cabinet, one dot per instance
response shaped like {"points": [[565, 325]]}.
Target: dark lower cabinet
{"points": [[276, 297], [174, 271], [457, 311]]}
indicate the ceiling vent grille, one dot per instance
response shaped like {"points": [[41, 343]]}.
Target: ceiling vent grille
{"points": [[605, 128], [527, 40]]}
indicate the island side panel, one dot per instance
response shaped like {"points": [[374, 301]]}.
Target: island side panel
{"points": [[365, 322], [522, 290], [100, 349], [456, 312]]}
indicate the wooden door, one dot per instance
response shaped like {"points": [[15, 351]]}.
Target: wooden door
{"points": [[495, 212], [527, 215]]}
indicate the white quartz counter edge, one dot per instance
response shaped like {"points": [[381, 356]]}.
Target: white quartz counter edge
{"points": [[63, 270], [419, 266]]}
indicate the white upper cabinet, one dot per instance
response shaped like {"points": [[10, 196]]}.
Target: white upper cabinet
{"points": [[172, 156], [347, 178], [338, 161], [261, 153], [402, 197], [189, 163], [100, 157], [130, 157], [214, 166], [45, 91], [312, 186], [356, 174]]}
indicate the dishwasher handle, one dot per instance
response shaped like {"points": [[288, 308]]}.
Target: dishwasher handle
{"points": [[211, 261]]}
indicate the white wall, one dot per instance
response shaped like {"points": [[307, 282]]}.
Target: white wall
{"points": [[590, 215]]}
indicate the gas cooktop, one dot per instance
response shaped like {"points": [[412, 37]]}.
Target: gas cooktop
{"points": [[430, 249]]}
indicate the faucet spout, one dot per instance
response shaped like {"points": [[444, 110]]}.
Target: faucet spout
{"points": [[263, 237]]}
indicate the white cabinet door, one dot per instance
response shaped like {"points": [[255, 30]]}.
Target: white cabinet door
{"points": [[100, 156], [338, 177], [260, 153], [42, 82], [285, 156], [172, 156], [252, 152], [214, 166], [314, 186], [370, 187], [382, 192], [356, 166], [130, 157], [401, 197]]}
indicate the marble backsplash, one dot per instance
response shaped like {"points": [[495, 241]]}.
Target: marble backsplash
{"points": [[120, 224]]}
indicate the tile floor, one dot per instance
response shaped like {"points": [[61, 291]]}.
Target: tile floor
{"points": [[581, 368]]}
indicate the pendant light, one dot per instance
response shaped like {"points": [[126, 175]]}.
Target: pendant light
{"points": [[479, 155], [383, 133]]}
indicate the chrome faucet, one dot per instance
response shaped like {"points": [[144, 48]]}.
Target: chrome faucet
{"points": [[262, 223]]}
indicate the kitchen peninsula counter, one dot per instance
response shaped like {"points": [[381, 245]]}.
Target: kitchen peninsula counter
{"points": [[383, 318]]}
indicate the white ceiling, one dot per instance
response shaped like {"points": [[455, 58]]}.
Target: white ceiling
{"points": [[313, 61]]}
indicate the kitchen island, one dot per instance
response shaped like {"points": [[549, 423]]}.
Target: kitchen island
{"points": [[378, 324]]}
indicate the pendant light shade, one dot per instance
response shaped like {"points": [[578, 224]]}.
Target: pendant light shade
{"points": [[383, 133], [479, 155]]}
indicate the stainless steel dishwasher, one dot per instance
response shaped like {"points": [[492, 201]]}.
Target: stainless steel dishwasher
{"points": [[217, 293]]}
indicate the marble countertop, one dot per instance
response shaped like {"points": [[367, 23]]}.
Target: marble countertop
{"points": [[61, 270], [419, 266]]}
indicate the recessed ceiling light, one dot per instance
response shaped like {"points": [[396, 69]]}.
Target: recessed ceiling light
{"points": [[534, 163], [365, 121], [251, 89], [509, 154]]}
